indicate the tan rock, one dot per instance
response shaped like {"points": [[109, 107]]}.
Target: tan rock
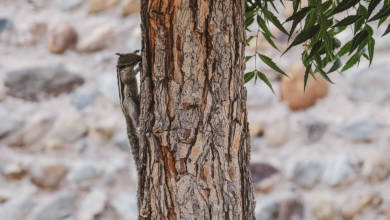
{"points": [[131, 7], [277, 132], [48, 176], [62, 38], [3, 93], [256, 129], [99, 39], [292, 89], [100, 5], [324, 210], [14, 171], [356, 205], [376, 167], [32, 132]]}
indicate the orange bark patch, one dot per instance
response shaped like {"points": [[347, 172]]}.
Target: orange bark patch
{"points": [[169, 161], [206, 192], [231, 173], [182, 166]]}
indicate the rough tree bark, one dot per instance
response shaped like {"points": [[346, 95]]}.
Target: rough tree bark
{"points": [[194, 143]]}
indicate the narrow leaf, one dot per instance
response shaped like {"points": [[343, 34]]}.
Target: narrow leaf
{"points": [[348, 20], [248, 76], [271, 64], [265, 80], [304, 36]]}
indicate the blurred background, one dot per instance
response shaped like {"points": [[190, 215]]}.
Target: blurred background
{"points": [[64, 154]]}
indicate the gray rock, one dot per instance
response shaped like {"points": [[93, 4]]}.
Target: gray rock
{"points": [[16, 208], [66, 5], [58, 207], [108, 86], [9, 124], [38, 83], [361, 129], [33, 132], [4, 24], [92, 205], [122, 142], [259, 95], [39, 3], [305, 172], [82, 174], [370, 85], [339, 170], [125, 205], [314, 129], [261, 171], [83, 100], [280, 209]]}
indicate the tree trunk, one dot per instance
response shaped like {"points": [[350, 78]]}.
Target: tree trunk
{"points": [[194, 143]]}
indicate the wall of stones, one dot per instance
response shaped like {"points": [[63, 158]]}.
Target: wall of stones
{"points": [[322, 155]]}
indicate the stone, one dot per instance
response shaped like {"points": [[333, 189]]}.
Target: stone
{"points": [[340, 170], [324, 210], [305, 172], [370, 85], [256, 129], [9, 124], [69, 128], [261, 171], [376, 166], [39, 3], [359, 129], [259, 95], [33, 132], [100, 38], [280, 209], [108, 86], [314, 129], [103, 130], [67, 5], [82, 174], [58, 207], [101, 5], [292, 89], [357, 204], [4, 24], [16, 208], [277, 132], [48, 176], [14, 171], [125, 205], [83, 100], [122, 142], [3, 93], [92, 205], [39, 83], [63, 37], [131, 7]]}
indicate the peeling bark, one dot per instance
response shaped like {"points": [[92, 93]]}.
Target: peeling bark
{"points": [[194, 142]]}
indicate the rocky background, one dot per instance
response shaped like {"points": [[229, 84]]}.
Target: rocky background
{"points": [[64, 154]]}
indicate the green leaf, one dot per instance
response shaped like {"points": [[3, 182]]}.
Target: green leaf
{"points": [[353, 60], [248, 76], [308, 69], [304, 36], [371, 46], [344, 5], [299, 15], [348, 20], [358, 39], [271, 17], [372, 6], [324, 75], [247, 58], [387, 30], [271, 64], [336, 66], [385, 11], [270, 41], [263, 26], [265, 80]]}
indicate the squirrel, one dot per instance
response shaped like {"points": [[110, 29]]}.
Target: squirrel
{"points": [[129, 97]]}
